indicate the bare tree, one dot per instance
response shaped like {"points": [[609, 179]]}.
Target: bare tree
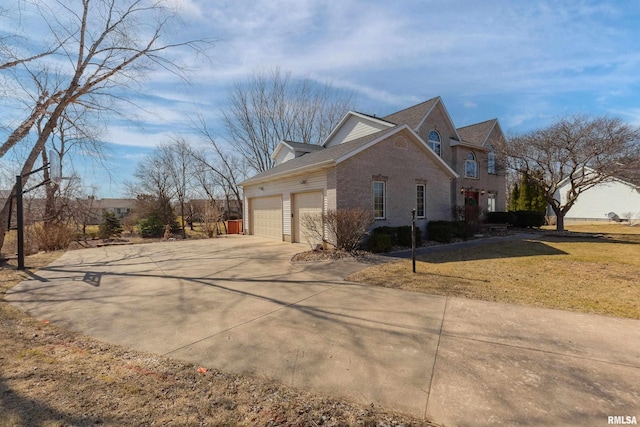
{"points": [[271, 106], [218, 168], [104, 44], [178, 163], [579, 150], [10, 56], [152, 180]]}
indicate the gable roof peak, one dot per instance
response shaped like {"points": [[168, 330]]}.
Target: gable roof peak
{"points": [[478, 133], [414, 115]]}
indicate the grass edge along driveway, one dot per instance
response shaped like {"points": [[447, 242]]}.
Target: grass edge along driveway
{"points": [[590, 274]]}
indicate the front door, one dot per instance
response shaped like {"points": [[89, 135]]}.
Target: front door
{"points": [[471, 206]]}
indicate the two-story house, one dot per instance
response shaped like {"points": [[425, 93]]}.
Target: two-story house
{"points": [[413, 159]]}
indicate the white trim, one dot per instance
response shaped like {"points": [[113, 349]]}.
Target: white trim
{"points": [[456, 143], [384, 199], [439, 142], [473, 161], [439, 101], [278, 148], [301, 170], [346, 117], [424, 201], [496, 123]]}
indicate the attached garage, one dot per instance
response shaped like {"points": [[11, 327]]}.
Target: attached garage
{"points": [[310, 203], [266, 216]]}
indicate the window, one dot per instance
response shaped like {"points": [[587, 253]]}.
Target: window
{"points": [[420, 201], [491, 162], [434, 142], [378, 199], [471, 166], [491, 202]]}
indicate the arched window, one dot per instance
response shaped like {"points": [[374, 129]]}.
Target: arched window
{"points": [[491, 162], [434, 142], [471, 166]]}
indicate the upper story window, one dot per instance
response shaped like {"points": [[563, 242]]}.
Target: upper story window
{"points": [[471, 166], [491, 162], [434, 142]]}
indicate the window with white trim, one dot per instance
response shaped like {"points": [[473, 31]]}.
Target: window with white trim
{"points": [[491, 202], [420, 200], [434, 142], [471, 166], [379, 199], [491, 162]]}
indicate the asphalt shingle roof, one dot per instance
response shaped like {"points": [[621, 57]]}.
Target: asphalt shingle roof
{"points": [[316, 157], [412, 116], [477, 133], [301, 146]]}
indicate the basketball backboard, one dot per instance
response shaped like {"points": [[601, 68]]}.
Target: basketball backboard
{"points": [[55, 168]]}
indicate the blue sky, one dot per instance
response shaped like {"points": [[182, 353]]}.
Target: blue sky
{"points": [[524, 62]]}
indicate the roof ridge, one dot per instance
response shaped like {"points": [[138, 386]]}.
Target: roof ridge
{"points": [[479, 123], [413, 106]]}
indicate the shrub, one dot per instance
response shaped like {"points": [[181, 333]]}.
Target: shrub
{"points": [[50, 237], [380, 242], [439, 231], [151, 227], [404, 236], [461, 229], [527, 219], [345, 227], [522, 219], [501, 218], [400, 236], [109, 226]]}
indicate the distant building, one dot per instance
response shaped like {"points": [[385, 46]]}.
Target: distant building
{"points": [[616, 197], [95, 208]]}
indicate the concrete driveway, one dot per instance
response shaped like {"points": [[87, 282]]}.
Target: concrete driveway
{"points": [[239, 305]]}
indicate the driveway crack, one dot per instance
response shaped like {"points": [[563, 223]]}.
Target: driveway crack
{"points": [[435, 357]]}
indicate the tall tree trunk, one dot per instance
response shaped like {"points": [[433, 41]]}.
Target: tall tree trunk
{"points": [[559, 218]]}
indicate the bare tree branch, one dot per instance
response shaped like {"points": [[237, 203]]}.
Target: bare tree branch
{"points": [[581, 150], [271, 107]]}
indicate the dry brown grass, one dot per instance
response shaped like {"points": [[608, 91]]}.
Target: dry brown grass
{"points": [[52, 377], [587, 274]]}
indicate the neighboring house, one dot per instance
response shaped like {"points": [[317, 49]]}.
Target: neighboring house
{"points": [[412, 159], [95, 208], [618, 196]]}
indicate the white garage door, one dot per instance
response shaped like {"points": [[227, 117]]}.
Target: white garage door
{"points": [[266, 216], [303, 204]]}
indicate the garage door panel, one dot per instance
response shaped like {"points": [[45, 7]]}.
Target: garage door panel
{"points": [[305, 204], [266, 216]]}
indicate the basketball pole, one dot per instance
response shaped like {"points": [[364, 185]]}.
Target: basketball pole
{"points": [[20, 212], [20, 222]]}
